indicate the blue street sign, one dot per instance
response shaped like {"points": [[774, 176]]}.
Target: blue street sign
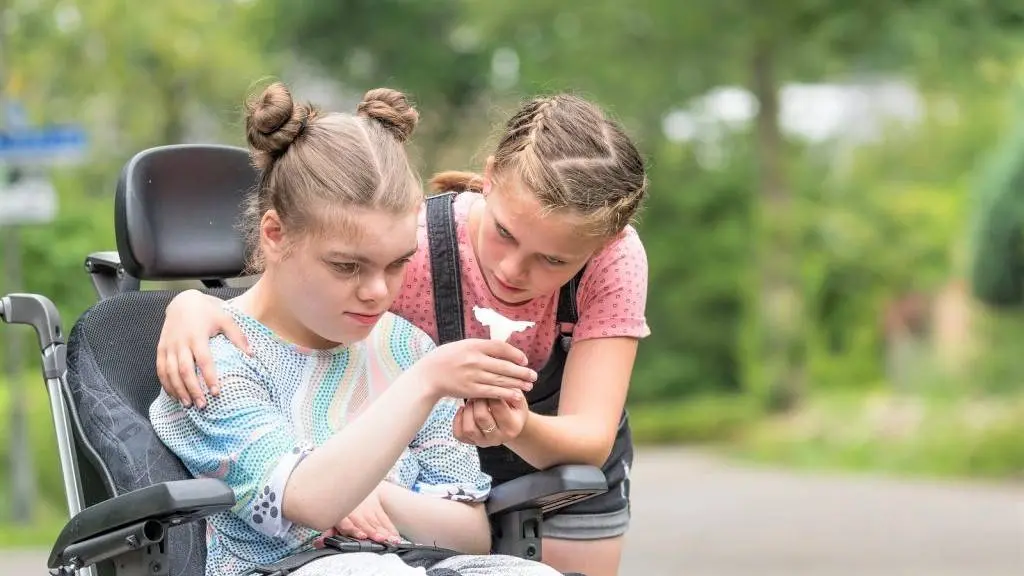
{"points": [[42, 145]]}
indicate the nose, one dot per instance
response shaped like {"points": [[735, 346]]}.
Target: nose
{"points": [[373, 288], [514, 269]]}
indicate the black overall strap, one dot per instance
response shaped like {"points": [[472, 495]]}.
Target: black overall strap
{"points": [[568, 312], [445, 268]]}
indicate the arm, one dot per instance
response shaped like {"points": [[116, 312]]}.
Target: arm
{"points": [[243, 438], [191, 319], [447, 488], [612, 301], [421, 518], [594, 389]]}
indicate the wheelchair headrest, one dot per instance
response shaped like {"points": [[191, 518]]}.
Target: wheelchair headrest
{"points": [[177, 210]]}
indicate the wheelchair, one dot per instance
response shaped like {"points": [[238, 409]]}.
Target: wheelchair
{"points": [[134, 508]]}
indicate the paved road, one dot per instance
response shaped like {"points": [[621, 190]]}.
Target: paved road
{"points": [[696, 515]]}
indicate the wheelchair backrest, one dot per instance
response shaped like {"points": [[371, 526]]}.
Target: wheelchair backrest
{"points": [[111, 381], [177, 210], [176, 216]]}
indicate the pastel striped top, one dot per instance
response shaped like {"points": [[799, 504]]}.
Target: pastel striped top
{"points": [[277, 406]]}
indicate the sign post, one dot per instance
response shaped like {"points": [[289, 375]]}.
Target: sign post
{"points": [[26, 198]]}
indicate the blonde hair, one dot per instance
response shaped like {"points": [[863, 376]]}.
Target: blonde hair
{"points": [[310, 162], [573, 157]]}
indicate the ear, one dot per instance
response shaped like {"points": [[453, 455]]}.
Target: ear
{"points": [[488, 173], [272, 236]]}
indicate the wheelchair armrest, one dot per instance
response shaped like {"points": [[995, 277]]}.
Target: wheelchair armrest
{"points": [[518, 506], [136, 520], [547, 490]]}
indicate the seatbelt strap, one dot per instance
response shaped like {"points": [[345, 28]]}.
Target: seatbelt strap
{"points": [[286, 566]]}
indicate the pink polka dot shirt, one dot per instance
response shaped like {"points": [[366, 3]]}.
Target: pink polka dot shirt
{"points": [[611, 298]]}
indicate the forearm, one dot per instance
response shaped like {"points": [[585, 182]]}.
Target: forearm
{"points": [[426, 519], [548, 441], [336, 477]]}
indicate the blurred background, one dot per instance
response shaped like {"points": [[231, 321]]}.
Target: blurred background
{"points": [[834, 234]]}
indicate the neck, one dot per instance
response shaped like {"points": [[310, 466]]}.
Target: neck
{"points": [[262, 303]]}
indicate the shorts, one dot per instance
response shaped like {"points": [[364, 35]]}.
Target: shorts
{"points": [[599, 518]]}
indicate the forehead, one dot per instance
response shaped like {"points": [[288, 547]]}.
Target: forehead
{"points": [[551, 232], [376, 235]]}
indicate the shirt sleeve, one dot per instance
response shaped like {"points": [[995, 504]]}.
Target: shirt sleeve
{"points": [[613, 292], [436, 463], [240, 437], [448, 468]]}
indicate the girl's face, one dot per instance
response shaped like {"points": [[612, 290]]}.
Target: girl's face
{"points": [[334, 287], [524, 253]]}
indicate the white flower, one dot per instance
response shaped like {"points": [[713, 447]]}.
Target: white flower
{"points": [[501, 327]]}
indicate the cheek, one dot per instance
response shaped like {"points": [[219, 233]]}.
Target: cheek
{"points": [[492, 249], [547, 279]]}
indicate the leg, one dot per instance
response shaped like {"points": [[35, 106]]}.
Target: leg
{"points": [[588, 543], [490, 565], [590, 557], [359, 564]]}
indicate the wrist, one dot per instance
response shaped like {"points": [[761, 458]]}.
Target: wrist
{"points": [[420, 386]]}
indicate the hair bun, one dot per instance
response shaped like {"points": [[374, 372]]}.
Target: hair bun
{"points": [[392, 109], [272, 123]]}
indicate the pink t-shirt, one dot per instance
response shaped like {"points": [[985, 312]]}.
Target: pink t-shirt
{"points": [[610, 301]]}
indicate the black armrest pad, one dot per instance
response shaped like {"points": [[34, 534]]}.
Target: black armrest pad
{"points": [[548, 489], [174, 502]]}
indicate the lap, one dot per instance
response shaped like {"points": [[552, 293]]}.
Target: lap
{"points": [[369, 564]]}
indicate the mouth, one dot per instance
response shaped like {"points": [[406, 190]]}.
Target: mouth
{"points": [[364, 319], [506, 286]]}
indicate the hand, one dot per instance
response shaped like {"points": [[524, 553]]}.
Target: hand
{"points": [[192, 318], [474, 368], [485, 423], [368, 521]]}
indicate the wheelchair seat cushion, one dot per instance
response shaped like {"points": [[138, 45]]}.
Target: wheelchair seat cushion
{"points": [[111, 381]]}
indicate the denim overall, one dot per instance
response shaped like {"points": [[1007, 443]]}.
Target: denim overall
{"points": [[500, 462]]}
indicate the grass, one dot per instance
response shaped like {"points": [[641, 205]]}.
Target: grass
{"points": [[952, 437]]}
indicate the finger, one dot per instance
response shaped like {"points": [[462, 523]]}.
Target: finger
{"points": [[457, 425], [483, 419], [504, 351], [187, 370], [507, 371], [362, 527], [385, 523], [483, 391], [206, 365], [234, 333], [504, 414], [174, 380], [161, 370], [469, 428], [347, 528]]}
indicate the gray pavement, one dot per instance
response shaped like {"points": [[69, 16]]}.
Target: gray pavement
{"points": [[696, 514]]}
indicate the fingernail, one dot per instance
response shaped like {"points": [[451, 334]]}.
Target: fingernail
{"points": [[533, 374], [361, 535]]}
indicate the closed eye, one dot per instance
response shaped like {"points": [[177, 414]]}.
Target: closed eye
{"points": [[346, 268], [503, 232], [553, 261], [397, 264]]}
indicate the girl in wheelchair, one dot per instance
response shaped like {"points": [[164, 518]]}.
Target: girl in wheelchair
{"points": [[340, 414], [543, 235]]}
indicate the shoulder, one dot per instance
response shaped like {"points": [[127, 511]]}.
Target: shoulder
{"points": [[624, 259]]}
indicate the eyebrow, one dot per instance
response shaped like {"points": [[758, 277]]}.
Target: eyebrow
{"points": [[363, 259], [512, 236]]}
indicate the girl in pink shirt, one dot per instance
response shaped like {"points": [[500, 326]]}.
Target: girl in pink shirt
{"points": [[542, 236]]}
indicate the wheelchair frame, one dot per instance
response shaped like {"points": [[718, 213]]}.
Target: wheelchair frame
{"points": [[130, 529]]}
